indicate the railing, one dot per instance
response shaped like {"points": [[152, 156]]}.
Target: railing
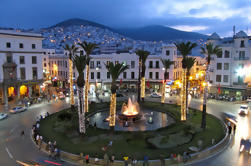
{"points": [[239, 83], [241, 58]]}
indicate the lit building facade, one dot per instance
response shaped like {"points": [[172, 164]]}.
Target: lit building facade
{"points": [[229, 71], [21, 71]]}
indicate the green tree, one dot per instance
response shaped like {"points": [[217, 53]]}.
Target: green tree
{"points": [[115, 71], [88, 48], [143, 55], [185, 49], [166, 64], [208, 50], [71, 51], [80, 62]]}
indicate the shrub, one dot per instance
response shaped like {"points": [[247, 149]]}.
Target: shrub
{"points": [[65, 116]]}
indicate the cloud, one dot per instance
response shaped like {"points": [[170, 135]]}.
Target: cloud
{"points": [[190, 28]]}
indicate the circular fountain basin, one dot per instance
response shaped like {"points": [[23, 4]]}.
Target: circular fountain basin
{"points": [[143, 123]]}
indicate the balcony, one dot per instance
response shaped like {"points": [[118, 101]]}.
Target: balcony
{"points": [[241, 58], [240, 83]]}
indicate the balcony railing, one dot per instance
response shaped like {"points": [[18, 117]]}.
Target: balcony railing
{"points": [[241, 58], [239, 83]]}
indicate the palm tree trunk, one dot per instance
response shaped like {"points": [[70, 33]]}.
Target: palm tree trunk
{"points": [[112, 111], [72, 101], [86, 88], [204, 111], [183, 95], [163, 91], [187, 87], [143, 84], [139, 81], [81, 113]]}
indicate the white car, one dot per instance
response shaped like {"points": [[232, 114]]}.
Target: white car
{"points": [[3, 116], [155, 95], [243, 110], [17, 109]]}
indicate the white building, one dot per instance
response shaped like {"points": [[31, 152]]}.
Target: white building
{"points": [[230, 70], [21, 70]]}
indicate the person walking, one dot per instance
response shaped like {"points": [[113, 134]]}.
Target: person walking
{"points": [[145, 162], [106, 160], [112, 158], [22, 134], [229, 130], [37, 138], [87, 159], [162, 160]]}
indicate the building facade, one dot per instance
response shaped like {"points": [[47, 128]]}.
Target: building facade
{"points": [[230, 70], [21, 71]]}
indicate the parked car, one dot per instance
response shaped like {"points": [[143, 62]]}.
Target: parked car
{"points": [[245, 145], [17, 109], [3, 116], [243, 110], [155, 95]]}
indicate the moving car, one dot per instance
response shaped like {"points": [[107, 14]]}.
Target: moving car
{"points": [[3, 116], [243, 110], [17, 109], [155, 95], [228, 117], [245, 145]]}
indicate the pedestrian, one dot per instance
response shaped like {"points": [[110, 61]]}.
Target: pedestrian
{"points": [[55, 144], [145, 162], [96, 159], [162, 160], [112, 158], [129, 161], [87, 159], [234, 128], [134, 161], [106, 159], [22, 133], [37, 125], [125, 160], [229, 130], [37, 138]]}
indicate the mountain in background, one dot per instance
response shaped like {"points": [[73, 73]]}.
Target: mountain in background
{"points": [[148, 33], [78, 22], [158, 32]]}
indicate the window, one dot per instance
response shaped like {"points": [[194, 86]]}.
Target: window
{"points": [[34, 60], [98, 64], [219, 55], [219, 66], [151, 75], [34, 73], [242, 43], [8, 45], [22, 73], [108, 75], [157, 75], [21, 45], [150, 64], [157, 64], [44, 59], [66, 74], [65, 63], [132, 64], [227, 54], [241, 55], [226, 66], [74, 74], [124, 75], [132, 75], [167, 52], [167, 75], [21, 60], [240, 79], [107, 62], [45, 65], [92, 75], [98, 75], [9, 58], [225, 78], [92, 64], [116, 62], [33, 46], [218, 78]]}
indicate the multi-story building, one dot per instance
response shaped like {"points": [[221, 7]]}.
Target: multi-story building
{"points": [[228, 71], [21, 70], [101, 79]]}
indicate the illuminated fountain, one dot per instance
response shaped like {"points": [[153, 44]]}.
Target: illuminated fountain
{"points": [[130, 110]]}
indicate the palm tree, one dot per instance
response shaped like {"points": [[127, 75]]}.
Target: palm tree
{"points": [[71, 52], [88, 48], [142, 67], [166, 63], [185, 49], [115, 71], [209, 50], [80, 63]]}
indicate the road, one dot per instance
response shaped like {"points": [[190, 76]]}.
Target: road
{"points": [[13, 147]]}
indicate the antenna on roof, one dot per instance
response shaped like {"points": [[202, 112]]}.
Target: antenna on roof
{"points": [[234, 30]]}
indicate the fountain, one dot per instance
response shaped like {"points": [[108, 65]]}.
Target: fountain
{"points": [[130, 111]]}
